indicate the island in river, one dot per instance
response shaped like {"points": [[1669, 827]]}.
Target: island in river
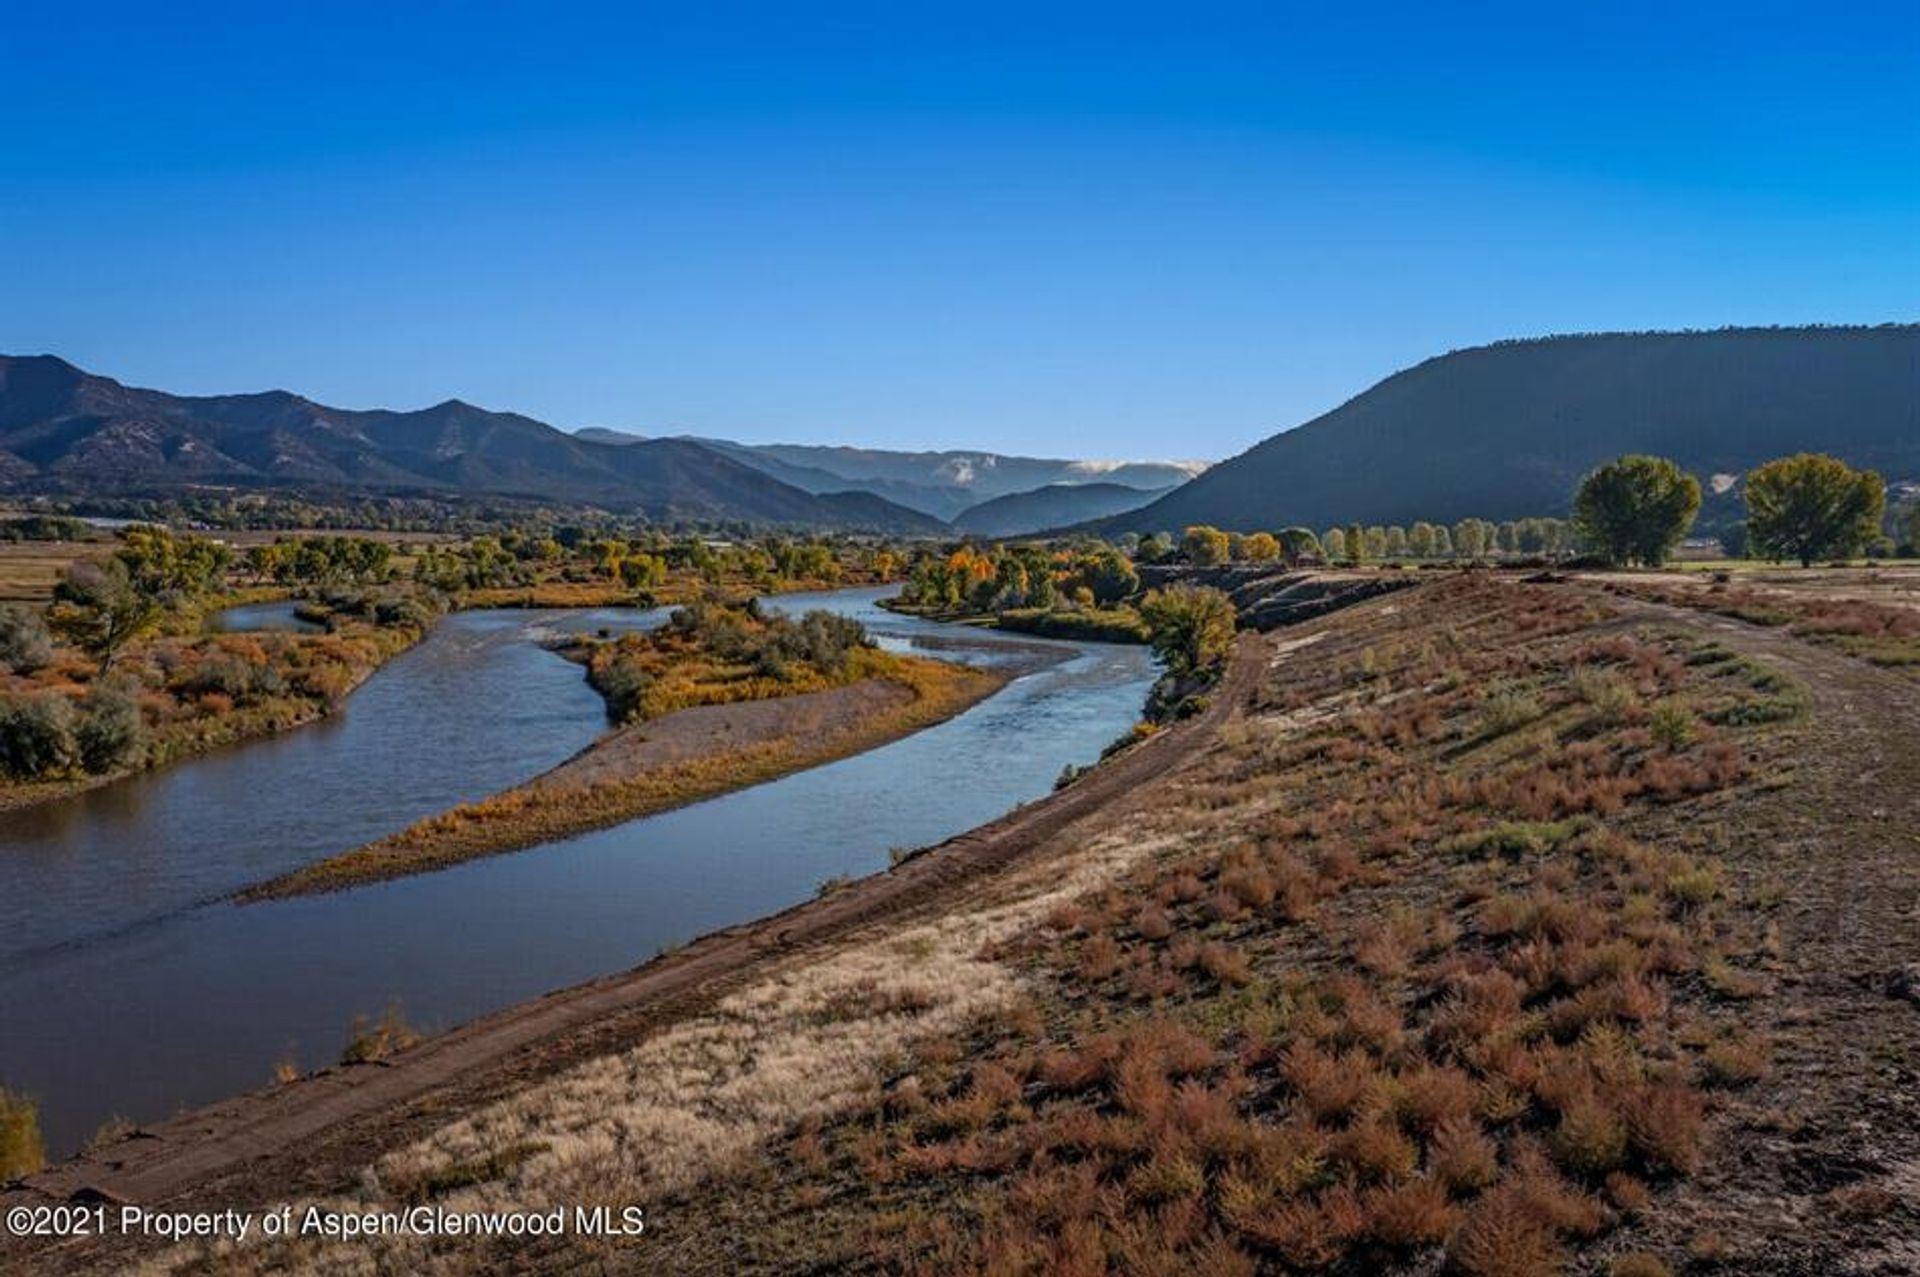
{"points": [[717, 699]]}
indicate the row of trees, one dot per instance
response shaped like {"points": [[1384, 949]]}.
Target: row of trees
{"points": [[1638, 509], [328, 560], [1008, 577], [1468, 539]]}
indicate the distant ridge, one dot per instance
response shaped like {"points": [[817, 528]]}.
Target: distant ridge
{"points": [[68, 432], [1506, 430], [941, 484], [1057, 505]]}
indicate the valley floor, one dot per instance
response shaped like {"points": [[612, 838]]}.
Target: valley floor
{"points": [[1512, 927]]}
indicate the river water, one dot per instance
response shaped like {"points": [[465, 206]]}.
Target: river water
{"points": [[129, 987]]}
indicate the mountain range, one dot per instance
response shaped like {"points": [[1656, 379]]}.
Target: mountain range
{"points": [[64, 431], [1506, 431], [945, 484]]}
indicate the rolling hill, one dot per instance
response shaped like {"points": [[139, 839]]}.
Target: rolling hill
{"points": [[70, 432], [1506, 431], [1057, 505]]}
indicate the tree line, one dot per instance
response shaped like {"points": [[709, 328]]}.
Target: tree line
{"points": [[1807, 507]]}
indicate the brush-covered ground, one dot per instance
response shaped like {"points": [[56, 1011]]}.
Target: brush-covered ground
{"points": [[1493, 928]]}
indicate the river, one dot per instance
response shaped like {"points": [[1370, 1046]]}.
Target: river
{"points": [[131, 988]]}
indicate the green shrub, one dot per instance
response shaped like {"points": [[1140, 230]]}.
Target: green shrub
{"points": [[1506, 709], [25, 645], [1671, 725], [37, 735], [112, 734], [624, 685]]}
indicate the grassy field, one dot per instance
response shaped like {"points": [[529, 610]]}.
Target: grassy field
{"points": [[30, 569]]}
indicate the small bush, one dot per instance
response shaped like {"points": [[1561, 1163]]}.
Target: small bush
{"points": [[1672, 726], [1611, 697], [113, 734], [1590, 1140], [22, 1151], [37, 735], [1505, 710], [25, 645], [367, 1043]]}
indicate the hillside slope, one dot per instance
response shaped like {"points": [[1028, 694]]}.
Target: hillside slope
{"points": [[1505, 431], [1055, 506], [66, 431]]}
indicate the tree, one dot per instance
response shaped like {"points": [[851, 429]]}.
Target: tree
{"points": [[1108, 574], [1261, 547], [1154, 548], [1813, 506], [1396, 547], [1190, 626], [1334, 541], [1205, 545], [1636, 509], [99, 606], [1296, 543], [1355, 541]]}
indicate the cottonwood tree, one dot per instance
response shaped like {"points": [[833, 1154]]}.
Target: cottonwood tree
{"points": [[1296, 542], [1636, 509], [100, 607], [1355, 542], [1205, 545], [1190, 626], [1260, 547], [1812, 506]]}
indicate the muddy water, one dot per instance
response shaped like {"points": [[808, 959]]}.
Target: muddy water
{"points": [[131, 989]]}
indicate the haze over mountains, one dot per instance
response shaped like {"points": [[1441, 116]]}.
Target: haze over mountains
{"points": [[1506, 431], [944, 484], [67, 432]]}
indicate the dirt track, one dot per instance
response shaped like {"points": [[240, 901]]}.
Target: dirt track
{"points": [[1827, 1149], [307, 1136]]}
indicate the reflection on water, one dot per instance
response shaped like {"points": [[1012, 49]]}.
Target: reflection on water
{"points": [[129, 997]]}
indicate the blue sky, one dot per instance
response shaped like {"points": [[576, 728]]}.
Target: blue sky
{"points": [[1106, 230]]}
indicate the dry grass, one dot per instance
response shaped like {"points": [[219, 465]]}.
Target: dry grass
{"points": [[1303, 1038]]}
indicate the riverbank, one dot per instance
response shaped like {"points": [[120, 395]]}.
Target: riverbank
{"points": [[358, 646], [657, 764], [236, 687], [1086, 625]]}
